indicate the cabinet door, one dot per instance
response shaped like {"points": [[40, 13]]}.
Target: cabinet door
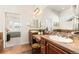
{"points": [[43, 46], [43, 50], [52, 49], [1, 45]]}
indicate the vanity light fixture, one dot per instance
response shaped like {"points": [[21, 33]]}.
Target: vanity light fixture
{"points": [[37, 11]]}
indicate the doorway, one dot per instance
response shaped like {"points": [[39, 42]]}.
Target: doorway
{"points": [[12, 29]]}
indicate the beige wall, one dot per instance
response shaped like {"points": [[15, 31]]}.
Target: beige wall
{"points": [[27, 15]]}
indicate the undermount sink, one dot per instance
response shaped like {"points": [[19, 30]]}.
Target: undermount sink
{"points": [[60, 39]]}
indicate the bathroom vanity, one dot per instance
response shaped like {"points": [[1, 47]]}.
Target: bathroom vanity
{"points": [[50, 46], [60, 41], [56, 47]]}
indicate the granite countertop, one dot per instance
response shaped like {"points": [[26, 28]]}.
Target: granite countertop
{"points": [[74, 46]]}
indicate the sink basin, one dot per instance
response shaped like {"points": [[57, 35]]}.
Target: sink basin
{"points": [[60, 39]]}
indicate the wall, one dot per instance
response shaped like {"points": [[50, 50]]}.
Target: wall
{"points": [[26, 16]]}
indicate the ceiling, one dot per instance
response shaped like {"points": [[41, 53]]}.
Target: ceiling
{"points": [[59, 8]]}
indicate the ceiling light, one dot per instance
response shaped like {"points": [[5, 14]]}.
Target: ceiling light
{"points": [[37, 11]]}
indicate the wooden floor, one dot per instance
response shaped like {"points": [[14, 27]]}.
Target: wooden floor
{"points": [[21, 49]]}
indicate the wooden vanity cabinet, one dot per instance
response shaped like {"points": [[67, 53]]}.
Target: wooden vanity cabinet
{"points": [[1, 41], [1, 45], [43, 46], [47, 47], [52, 49]]}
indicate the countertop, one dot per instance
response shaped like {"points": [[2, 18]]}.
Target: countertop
{"points": [[74, 46]]}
